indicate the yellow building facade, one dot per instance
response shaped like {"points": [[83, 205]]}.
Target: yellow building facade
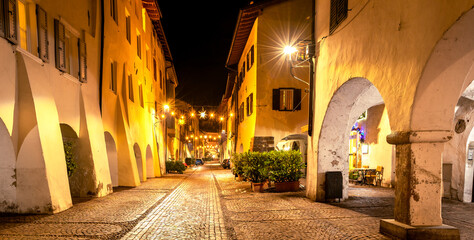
{"points": [[268, 102], [66, 129]]}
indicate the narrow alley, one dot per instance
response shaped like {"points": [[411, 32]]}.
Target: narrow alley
{"points": [[207, 203]]}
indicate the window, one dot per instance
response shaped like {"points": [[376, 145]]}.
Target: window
{"points": [[130, 88], [42, 24], [154, 69], [147, 56], [139, 45], [140, 94], [113, 10], [250, 104], [113, 76], [339, 10], [250, 58], [128, 31], [8, 24], [243, 71], [161, 80], [82, 61], [241, 112], [60, 45], [23, 25], [286, 99]]}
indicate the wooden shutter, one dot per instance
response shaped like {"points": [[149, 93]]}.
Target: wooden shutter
{"points": [[11, 21], [297, 99], [276, 99], [2, 19], [82, 61], [42, 24], [60, 45], [338, 14]]}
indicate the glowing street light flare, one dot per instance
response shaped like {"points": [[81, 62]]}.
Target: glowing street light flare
{"points": [[289, 50], [166, 107], [221, 119]]}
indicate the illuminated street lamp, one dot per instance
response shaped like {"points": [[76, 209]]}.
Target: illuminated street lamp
{"points": [[166, 107]]}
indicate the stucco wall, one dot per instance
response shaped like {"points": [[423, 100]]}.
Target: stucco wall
{"points": [[280, 25]]}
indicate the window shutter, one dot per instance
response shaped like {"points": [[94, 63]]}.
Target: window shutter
{"points": [[338, 14], [82, 61], [297, 99], [60, 45], [2, 19], [42, 23], [10, 21], [276, 99]]}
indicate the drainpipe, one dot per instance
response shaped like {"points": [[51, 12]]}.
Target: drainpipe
{"points": [[312, 68], [101, 66]]}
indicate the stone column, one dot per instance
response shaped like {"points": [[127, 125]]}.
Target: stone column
{"points": [[418, 193]]}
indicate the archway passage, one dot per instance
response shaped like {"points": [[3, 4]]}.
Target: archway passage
{"points": [[138, 158], [8, 201], [150, 166], [77, 169], [354, 98], [112, 158]]}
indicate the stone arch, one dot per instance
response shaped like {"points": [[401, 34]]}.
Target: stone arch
{"points": [[447, 73], [139, 161], [349, 101], [150, 165], [112, 158], [8, 202], [78, 179]]}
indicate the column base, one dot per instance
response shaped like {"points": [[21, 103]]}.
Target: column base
{"points": [[403, 231]]}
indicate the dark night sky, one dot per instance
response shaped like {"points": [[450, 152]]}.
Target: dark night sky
{"points": [[199, 34]]}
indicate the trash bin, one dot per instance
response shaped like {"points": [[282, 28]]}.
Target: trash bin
{"points": [[333, 185]]}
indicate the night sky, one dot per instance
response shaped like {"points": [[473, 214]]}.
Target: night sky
{"points": [[199, 34]]}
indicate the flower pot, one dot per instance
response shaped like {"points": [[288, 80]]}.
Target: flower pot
{"points": [[287, 186], [258, 187]]}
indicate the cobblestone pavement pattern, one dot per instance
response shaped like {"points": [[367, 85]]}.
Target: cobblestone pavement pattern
{"points": [[208, 203]]}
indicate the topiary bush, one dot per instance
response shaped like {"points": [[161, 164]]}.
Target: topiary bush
{"points": [[175, 166], [285, 166], [255, 167], [237, 164]]}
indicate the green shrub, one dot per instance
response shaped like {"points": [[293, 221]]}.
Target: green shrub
{"points": [[175, 166], [255, 168], [69, 150], [285, 166], [237, 164]]}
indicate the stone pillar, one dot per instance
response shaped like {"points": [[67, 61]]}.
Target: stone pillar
{"points": [[418, 192]]}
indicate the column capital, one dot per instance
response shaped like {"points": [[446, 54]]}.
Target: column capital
{"points": [[419, 136]]}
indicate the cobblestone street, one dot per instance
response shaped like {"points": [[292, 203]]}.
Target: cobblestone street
{"points": [[207, 203]]}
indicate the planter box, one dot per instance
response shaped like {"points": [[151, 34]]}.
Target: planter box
{"points": [[287, 186], [258, 187]]}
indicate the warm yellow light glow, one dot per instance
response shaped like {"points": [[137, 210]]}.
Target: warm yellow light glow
{"points": [[205, 136], [187, 138], [172, 113], [200, 136], [162, 116], [192, 135], [166, 107], [289, 50], [192, 114], [211, 115], [231, 114], [221, 119], [219, 136], [182, 116], [196, 138], [202, 114]]}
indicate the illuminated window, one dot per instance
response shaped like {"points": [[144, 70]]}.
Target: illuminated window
{"points": [[286, 99], [250, 58], [128, 31], [144, 19], [241, 112], [130, 88], [23, 25]]}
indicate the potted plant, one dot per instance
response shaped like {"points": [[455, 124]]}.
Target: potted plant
{"points": [[255, 169], [285, 170], [237, 166]]}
